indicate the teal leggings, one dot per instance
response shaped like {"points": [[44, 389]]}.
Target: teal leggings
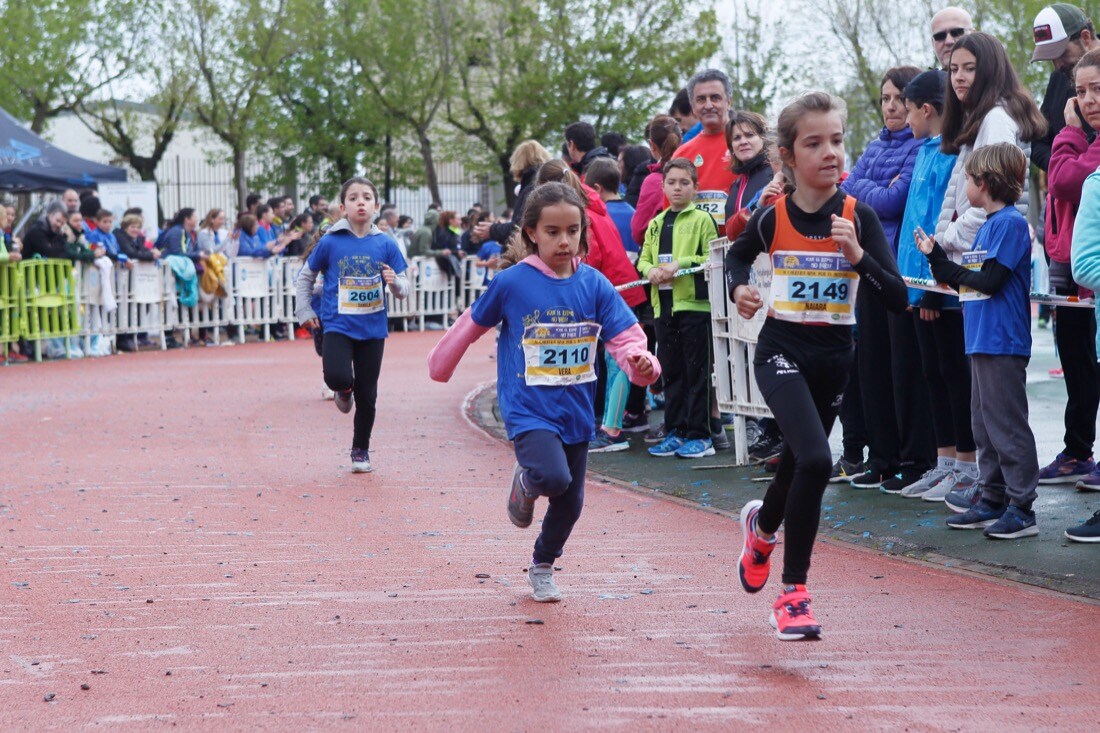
{"points": [[618, 389]]}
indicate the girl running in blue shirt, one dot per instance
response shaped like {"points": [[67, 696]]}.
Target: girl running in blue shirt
{"points": [[357, 260], [553, 309]]}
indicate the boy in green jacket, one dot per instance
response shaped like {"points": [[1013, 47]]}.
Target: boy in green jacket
{"points": [[678, 238]]}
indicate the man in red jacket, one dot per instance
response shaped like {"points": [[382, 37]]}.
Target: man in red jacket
{"points": [[710, 91]]}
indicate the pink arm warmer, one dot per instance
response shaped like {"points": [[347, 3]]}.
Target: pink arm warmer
{"points": [[446, 354], [631, 342]]}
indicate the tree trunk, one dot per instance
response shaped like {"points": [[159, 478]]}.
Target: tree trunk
{"points": [[429, 165], [38, 121], [239, 179], [505, 162]]}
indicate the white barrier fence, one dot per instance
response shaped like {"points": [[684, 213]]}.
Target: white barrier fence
{"points": [[260, 293], [735, 346]]}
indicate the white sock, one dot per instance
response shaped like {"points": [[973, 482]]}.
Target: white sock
{"points": [[945, 462], [970, 468]]}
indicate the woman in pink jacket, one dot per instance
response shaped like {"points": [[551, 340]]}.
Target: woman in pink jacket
{"points": [[663, 135]]}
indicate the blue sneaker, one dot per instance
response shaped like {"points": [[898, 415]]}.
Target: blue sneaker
{"points": [[964, 499], [981, 515], [1013, 524], [1066, 470], [696, 449], [668, 446]]}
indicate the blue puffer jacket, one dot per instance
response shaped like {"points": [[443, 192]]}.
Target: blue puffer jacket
{"points": [[1085, 250], [873, 182], [931, 174]]}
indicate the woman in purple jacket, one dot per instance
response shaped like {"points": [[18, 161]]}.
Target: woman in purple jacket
{"points": [[886, 377]]}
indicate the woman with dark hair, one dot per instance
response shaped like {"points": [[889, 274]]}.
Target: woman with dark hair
{"points": [[887, 377], [663, 136], [634, 162], [985, 104], [746, 139]]}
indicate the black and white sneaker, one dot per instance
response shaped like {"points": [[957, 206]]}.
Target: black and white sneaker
{"points": [[1087, 532], [869, 479], [360, 461], [766, 446]]}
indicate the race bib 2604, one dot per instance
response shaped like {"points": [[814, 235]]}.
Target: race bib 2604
{"points": [[361, 295]]}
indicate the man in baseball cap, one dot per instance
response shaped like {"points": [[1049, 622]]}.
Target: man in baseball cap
{"points": [[1063, 34]]}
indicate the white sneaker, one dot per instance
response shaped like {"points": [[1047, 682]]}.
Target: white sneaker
{"points": [[926, 482], [541, 578], [327, 394], [953, 481], [360, 461], [344, 401]]}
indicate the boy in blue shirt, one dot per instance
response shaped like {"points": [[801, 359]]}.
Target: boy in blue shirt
{"points": [[602, 175], [997, 322]]}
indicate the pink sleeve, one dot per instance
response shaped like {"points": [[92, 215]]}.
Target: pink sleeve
{"points": [[446, 354], [1072, 160], [649, 205], [631, 342]]}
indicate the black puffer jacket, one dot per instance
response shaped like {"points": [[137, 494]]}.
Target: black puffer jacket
{"points": [[751, 177], [634, 188], [501, 233]]}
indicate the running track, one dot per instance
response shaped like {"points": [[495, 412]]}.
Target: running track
{"points": [[180, 535]]}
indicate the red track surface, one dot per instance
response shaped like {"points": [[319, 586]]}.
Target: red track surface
{"points": [[180, 534]]}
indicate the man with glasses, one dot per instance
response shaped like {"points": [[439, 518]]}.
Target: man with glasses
{"points": [[948, 26]]}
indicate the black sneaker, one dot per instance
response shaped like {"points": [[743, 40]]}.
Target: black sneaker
{"points": [[656, 435], [844, 471], [635, 423], [765, 447], [869, 479], [1087, 532], [720, 440], [895, 484]]}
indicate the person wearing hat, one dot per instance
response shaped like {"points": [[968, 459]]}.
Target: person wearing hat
{"points": [[1063, 34]]}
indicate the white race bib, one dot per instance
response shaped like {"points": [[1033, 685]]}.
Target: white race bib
{"points": [[972, 261], [714, 203], [361, 295], [560, 354], [813, 287], [664, 260]]}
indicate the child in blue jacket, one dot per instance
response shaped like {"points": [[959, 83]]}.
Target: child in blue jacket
{"points": [[938, 317]]}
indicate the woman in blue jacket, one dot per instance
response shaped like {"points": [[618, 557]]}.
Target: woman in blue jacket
{"points": [[888, 367]]}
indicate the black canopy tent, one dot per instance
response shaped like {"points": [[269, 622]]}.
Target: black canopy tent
{"points": [[29, 163]]}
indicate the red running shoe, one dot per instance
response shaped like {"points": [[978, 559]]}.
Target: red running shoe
{"points": [[792, 618], [755, 561]]}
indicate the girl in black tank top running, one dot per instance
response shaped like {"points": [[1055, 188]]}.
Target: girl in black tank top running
{"points": [[826, 251]]}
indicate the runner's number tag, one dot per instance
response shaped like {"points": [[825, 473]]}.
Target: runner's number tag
{"points": [[361, 295], [813, 287], [714, 203], [560, 354], [972, 261], [664, 260]]}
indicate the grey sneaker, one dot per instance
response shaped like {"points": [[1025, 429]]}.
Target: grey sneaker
{"points": [[720, 440], [955, 481], [521, 507], [344, 401], [360, 461], [541, 578], [926, 482]]}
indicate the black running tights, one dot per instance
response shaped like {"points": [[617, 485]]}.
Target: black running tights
{"points": [[353, 364], [804, 400]]}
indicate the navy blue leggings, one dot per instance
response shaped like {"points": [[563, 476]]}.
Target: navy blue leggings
{"points": [[554, 470]]}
